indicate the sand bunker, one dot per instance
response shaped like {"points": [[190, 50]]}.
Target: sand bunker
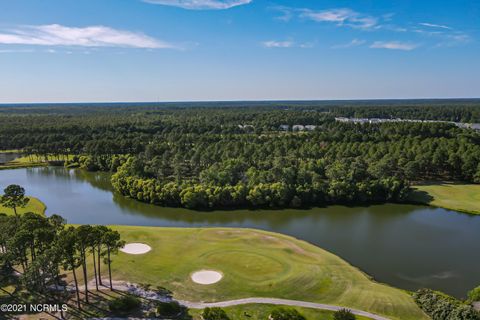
{"points": [[206, 277], [136, 248]]}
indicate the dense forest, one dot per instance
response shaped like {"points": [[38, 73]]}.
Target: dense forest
{"points": [[270, 154]]}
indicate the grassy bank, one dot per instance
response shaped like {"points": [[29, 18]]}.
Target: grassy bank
{"points": [[23, 162], [257, 311], [454, 196], [34, 205], [11, 151], [250, 311], [254, 264], [30, 161]]}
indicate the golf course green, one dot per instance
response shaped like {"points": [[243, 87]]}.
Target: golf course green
{"points": [[454, 196], [254, 264]]}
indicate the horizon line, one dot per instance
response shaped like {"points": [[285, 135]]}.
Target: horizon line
{"points": [[235, 101]]}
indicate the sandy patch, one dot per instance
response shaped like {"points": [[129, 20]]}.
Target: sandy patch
{"points": [[136, 248], [206, 277]]}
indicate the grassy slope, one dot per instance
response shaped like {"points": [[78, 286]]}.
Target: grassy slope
{"points": [[256, 311], [250, 311], [34, 205], [26, 162], [10, 150], [460, 197], [23, 162], [255, 264]]}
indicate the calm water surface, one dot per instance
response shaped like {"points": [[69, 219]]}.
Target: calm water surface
{"points": [[406, 246], [8, 156]]}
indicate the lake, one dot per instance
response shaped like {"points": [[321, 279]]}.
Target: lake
{"points": [[407, 246]]}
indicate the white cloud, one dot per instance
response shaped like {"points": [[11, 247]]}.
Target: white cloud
{"points": [[353, 43], [447, 36], [341, 17], [393, 27], [92, 36], [335, 15], [461, 37], [286, 13], [438, 26], [278, 44], [394, 45], [287, 44], [201, 4], [388, 16], [451, 40], [307, 45]]}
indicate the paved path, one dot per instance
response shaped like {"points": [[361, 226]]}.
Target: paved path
{"points": [[135, 289], [283, 302]]}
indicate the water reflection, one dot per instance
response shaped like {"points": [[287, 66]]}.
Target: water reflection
{"points": [[8, 156]]}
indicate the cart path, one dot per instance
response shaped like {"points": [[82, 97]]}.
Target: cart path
{"points": [[148, 294], [275, 301]]}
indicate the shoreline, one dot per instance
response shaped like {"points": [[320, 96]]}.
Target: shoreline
{"points": [[240, 283], [413, 199], [455, 196]]}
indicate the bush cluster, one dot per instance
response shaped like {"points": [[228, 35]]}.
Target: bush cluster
{"points": [[124, 304], [440, 306]]}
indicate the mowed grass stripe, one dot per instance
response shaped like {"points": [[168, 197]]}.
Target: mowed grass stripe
{"points": [[34, 205], [454, 196]]}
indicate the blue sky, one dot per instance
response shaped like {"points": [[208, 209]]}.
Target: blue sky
{"points": [[179, 50]]}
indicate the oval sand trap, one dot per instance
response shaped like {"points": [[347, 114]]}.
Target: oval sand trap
{"points": [[136, 248], [206, 277]]}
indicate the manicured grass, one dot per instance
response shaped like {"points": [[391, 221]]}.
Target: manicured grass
{"points": [[259, 311], [34, 205], [255, 264], [23, 162], [35, 159], [459, 197], [29, 161], [11, 151]]}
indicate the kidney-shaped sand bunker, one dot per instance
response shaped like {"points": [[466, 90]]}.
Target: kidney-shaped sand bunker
{"points": [[136, 248]]}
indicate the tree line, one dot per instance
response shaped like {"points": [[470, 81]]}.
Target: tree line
{"points": [[39, 249], [356, 164]]}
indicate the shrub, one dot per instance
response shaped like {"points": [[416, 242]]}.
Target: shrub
{"points": [[124, 304], [344, 314], [214, 314], [286, 314], [464, 312], [474, 295], [169, 309], [440, 306]]}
